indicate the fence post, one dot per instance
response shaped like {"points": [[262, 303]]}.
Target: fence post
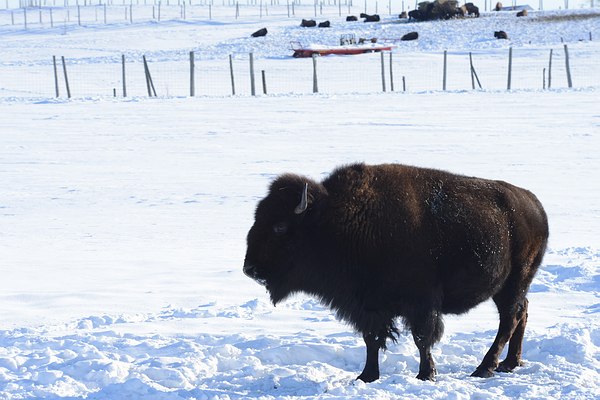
{"points": [[25, 17], [55, 76], [123, 74], [508, 84], [403, 83], [192, 77], [264, 82], [473, 73], [382, 72], [66, 77], [315, 82], [544, 79], [568, 67], [445, 69], [391, 74], [472, 76], [149, 83], [252, 84], [550, 70], [231, 72]]}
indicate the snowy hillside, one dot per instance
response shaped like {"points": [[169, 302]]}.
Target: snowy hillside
{"points": [[123, 221]]}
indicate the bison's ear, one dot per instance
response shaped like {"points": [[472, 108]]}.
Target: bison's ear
{"points": [[303, 205]]}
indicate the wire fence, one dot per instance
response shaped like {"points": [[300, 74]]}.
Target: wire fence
{"points": [[30, 14], [186, 75]]}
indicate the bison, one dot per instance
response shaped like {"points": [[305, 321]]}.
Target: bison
{"points": [[471, 9], [415, 14], [410, 36], [377, 243], [351, 18], [370, 18], [324, 24], [260, 33], [308, 23], [522, 13], [500, 35]]}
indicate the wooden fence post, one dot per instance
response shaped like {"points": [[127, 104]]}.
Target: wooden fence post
{"points": [[544, 79], [315, 80], [473, 73], [382, 72], [192, 77], [55, 76], [252, 83], [123, 75], [508, 84], [149, 82], [472, 76], [264, 82], [66, 77], [550, 70], [445, 69], [231, 72], [391, 74], [568, 67]]}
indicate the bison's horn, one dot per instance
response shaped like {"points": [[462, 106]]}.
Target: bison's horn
{"points": [[303, 202]]}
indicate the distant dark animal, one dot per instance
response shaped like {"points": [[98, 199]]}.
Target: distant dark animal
{"points": [[371, 18], [308, 23], [351, 18], [522, 13], [498, 6], [363, 15], [403, 15], [381, 242], [410, 36], [260, 32], [415, 14], [472, 9], [324, 24], [500, 35]]}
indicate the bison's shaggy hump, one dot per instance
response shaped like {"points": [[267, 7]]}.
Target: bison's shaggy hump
{"points": [[380, 242]]}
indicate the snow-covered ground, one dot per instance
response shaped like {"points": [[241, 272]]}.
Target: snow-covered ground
{"points": [[123, 223]]}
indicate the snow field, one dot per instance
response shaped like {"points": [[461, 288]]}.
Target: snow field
{"points": [[123, 222]]}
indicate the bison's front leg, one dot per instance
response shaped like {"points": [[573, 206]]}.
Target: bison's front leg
{"points": [[374, 342]]}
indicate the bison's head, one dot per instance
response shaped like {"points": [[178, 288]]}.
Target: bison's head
{"points": [[281, 229]]}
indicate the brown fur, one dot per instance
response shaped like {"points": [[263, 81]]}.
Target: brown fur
{"points": [[391, 241]]}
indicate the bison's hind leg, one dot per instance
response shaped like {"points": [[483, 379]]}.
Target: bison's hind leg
{"points": [[513, 358], [513, 318]]}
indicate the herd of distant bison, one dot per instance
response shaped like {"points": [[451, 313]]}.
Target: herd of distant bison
{"points": [[427, 11]]}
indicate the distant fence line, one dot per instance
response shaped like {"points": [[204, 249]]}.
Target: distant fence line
{"points": [[246, 75], [40, 13]]}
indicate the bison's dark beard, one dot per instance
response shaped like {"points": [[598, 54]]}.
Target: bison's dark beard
{"points": [[278, 292]]}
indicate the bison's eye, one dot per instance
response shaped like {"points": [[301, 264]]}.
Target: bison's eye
{"points": [[280, 228]]}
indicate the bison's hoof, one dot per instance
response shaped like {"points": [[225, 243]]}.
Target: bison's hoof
{"points": [[426, 376], [368, 378], [506, 366], [483, 373]]}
